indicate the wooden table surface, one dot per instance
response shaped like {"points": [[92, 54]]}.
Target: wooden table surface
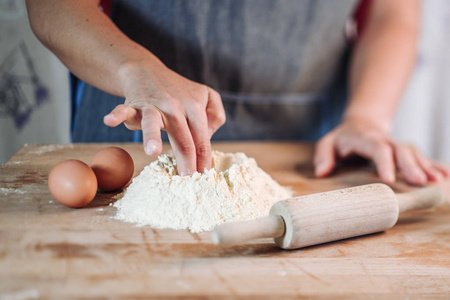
{"points": [[48, 251]]}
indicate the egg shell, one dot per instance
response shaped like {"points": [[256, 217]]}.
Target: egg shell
{"points": [[72, 183], [113, 167]]}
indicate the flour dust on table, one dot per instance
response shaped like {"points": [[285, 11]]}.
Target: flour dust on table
{"points": [[234, 189]]}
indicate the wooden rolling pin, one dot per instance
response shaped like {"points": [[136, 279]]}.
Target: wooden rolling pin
{"points": [[319, 218]]}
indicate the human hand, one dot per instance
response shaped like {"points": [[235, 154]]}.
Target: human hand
{"points": [[366, 139], [157, 98]]}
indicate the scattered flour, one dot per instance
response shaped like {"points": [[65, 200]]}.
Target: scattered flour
{"points": [[21, 295], [235, 189], [49, 148], [7, 191]]}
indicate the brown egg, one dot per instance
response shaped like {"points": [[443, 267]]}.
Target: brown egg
{"points": [[72, 183], [113, 167]]}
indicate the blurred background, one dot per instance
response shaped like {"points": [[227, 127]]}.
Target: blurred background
{"points": [[34, 86], [35, 92]]}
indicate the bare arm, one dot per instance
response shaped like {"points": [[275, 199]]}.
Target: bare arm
{"points": [[96, 51], [380, 67], [86, 41], [383, 59]]}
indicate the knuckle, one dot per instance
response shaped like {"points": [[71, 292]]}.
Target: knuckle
{"points": [[207, 91], [186, 148], [203, 150], [407, 146], [195, 107], [174, 116], [214, 94], [221, 118], [218, 117], [344, 151], [382, 152], [381, 146], [198, 97], [170, 105]]}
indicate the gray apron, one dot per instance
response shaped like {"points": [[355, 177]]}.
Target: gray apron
{"points": [[279, 65]]}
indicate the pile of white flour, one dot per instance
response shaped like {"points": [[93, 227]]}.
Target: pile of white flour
{"points": [[235, 189]]}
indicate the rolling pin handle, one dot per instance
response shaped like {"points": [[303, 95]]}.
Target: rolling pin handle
{"points": [[271, 226], [427, 197]]}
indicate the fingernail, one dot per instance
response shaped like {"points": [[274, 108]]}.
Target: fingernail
{"points": [[186, 173], [106, 118], [419, 178], [321, 168], [389, 177], [446, 173], [438, 176], [151, 148]]}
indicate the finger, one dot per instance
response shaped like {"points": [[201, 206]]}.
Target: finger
{"points": [[151, 130], [444, 169], [433, 171], [123, 114], [214, 111], [344, 150], [198, 125], [409, 166], [383, 157], [324, 156], [182, 143]]}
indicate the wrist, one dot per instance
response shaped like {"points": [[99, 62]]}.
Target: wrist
{"points": [[369, 112], [358, 119], [132, 71]]}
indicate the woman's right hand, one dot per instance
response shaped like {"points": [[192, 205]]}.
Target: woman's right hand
{"points": [[155, 97], [158, 98]]}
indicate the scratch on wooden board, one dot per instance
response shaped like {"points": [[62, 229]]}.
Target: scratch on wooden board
{"points": [[116, 237], [283, 272], [293, 279], [393, 287], [146, 244], [366, 272], [184, 285], [225, 282], [156, 235], [341, 253], [195, 236], [130, 252], [307, 273]]}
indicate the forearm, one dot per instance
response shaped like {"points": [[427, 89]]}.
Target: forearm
{"points": [[87, 42], [382, 61], [156, 98]]}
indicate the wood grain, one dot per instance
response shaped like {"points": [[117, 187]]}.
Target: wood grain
{"points": [[48, 251]]}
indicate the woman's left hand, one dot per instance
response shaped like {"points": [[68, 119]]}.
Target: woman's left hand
{"points": [[365, 139]]}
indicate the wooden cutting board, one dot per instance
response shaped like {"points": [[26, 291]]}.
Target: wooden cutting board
{"points": [[48, 251]]}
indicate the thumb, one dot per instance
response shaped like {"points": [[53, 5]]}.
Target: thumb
{"points": [[123, 114], [324, 156]]}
